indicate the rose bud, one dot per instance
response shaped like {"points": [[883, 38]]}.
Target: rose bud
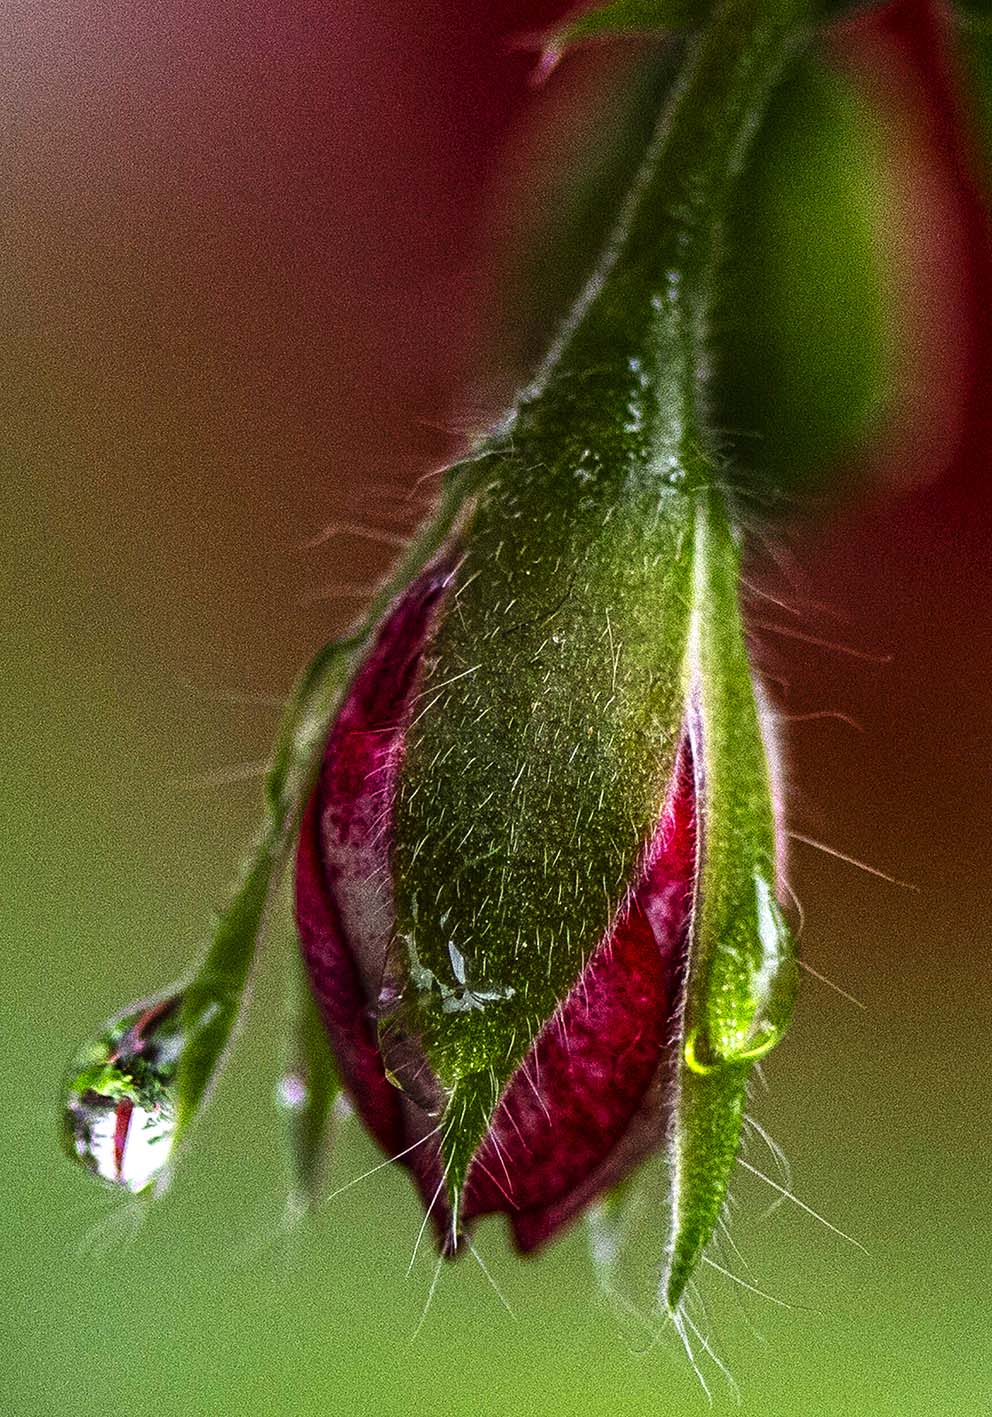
{"points": [[536, 892], [536, 882]]}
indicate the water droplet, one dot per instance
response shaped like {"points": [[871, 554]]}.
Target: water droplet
{"points": [[119, 1112], [752, 987], [701, 1058]]}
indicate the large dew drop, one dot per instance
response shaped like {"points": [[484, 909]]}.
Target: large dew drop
{"points": [[119, 1109]]}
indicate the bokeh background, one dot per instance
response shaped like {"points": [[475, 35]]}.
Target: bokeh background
{"points": [[261, 270]]}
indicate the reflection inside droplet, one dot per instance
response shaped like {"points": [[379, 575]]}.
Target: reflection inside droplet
{"points": [[119, 1113], [702, 1058]]}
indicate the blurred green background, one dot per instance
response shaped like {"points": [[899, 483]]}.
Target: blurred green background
{"points": [[242, 293]]}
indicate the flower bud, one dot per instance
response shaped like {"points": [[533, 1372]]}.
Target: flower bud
{"points": [[535, 884], [537, 835]]}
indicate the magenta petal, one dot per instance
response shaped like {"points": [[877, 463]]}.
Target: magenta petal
{"points": [[344, 904], [338, 991], [591, 1099]]}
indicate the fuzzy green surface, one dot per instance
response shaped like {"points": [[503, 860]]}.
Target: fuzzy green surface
{"points": [[742, 974], [542, 742], [539, 760], [741, 978]]}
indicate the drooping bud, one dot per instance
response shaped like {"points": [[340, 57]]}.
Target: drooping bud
{"points": [[553, 694], [536, 883], [581, 1064]]}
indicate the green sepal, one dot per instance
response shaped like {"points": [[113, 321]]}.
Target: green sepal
{"points": [[709, 1115], [180, 1038], [306, 1094], [539, 764], [617, 18], [189, 1038], [741, 971], [212, 1000]]}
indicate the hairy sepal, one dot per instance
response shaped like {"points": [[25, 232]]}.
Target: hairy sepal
{"points": [[540, 754], [741, 969]]}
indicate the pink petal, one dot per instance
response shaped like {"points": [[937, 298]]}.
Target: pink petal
{"points": [[344, 906]]}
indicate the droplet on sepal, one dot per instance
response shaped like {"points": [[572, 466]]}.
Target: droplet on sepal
{"points": [[741, 1026], [120, 1102]]}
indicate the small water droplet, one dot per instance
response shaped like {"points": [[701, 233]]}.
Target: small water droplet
{"points": [[747, 1015], [701, 1058], [119, 1110]]}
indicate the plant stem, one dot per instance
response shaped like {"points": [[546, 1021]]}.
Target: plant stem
{"points": [[659, 279]]}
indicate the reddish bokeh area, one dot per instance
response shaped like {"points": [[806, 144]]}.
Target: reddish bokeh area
{"points": [[247, 205]]}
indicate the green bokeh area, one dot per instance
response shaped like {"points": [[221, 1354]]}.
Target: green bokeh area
{"points": [[160, 479]]}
